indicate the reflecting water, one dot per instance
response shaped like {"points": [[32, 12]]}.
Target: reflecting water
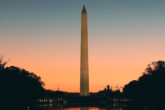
{"points": [[80, 107], [98, 107], [83, 108]]}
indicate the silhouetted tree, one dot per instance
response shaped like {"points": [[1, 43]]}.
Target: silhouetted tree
{"points": [[18, 85], [150, 86], [2, 63]]}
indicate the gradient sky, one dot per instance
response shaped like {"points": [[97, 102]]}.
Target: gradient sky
{"points": [[43, 36]]}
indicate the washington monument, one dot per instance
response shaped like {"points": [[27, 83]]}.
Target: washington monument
{"points": [[84, 75]]}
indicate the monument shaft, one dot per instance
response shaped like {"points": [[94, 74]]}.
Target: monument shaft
{"points": [[84, 75]]}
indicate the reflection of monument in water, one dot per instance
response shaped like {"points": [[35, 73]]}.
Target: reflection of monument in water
{"points": [[84, 108], [84, 76]]}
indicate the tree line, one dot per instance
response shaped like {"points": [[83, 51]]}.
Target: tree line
{"points": [[20, 86], [150, 87]]}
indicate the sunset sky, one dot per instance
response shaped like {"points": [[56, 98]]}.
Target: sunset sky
{"points": [[43, 36]]}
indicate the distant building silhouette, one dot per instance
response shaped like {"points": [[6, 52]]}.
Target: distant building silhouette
{"points": [[108, 87]]}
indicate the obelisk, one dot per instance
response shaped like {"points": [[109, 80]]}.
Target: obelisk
{"points": [[84, 75]]}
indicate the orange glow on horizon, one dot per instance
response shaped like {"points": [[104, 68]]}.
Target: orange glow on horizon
{"points": [[111, 62], [64, 73]]}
